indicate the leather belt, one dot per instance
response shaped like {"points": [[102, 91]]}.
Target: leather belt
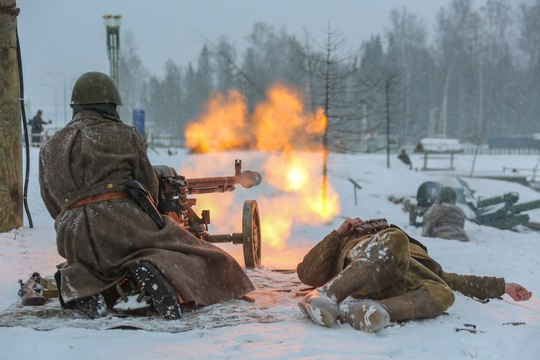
{"points": [[97, 198]]}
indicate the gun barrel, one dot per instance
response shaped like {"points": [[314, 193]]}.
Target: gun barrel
{"points": [[531, 205], [511, 198], [222, 184]]}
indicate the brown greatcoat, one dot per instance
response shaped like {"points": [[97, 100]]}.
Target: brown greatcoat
{"points": [[329, 257], [96, 154]]}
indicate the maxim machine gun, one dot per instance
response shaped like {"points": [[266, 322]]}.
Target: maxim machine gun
{"points": [[501, 212], [173, 201]]}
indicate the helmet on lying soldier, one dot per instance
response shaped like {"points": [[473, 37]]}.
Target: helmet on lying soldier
{"points": [[95, 88], [447, 195]]}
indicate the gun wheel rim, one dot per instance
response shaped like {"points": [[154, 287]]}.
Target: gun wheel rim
{"points": [[251, 234]]}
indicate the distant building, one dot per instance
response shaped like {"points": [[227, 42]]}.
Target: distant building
{"points": [[514, 142]]}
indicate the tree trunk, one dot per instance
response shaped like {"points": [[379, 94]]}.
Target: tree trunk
{"points": [[11, 200], [325, 135], [387, 85], [444, 106]]}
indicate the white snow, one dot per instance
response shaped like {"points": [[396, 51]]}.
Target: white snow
{"points": [[471, 329], [440, 145]]}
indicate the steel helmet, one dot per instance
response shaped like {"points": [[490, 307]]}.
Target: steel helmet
{"points": [[95, 88], [427, 193], [447, 195]]}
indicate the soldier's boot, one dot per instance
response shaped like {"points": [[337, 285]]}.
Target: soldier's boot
{"points": [[364, 314], [164, 296], [366, 275], [93, 306], [319, 307], [417, 304]]}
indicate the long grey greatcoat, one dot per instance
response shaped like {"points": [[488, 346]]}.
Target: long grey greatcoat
{"points": [[95, 154]]}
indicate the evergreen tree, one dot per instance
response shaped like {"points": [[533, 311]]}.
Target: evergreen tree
{"points": [[225, 70], [132, 78], [192, 99], [164, 102], [408, 55], [529, 42], [203, 76]]}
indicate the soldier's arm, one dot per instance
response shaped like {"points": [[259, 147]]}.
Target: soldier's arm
{"points": [[142, 168], [481, 287], [319, 264]]}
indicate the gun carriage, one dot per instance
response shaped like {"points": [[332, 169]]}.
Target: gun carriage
{"points": [[174, 201], [502, 212]]}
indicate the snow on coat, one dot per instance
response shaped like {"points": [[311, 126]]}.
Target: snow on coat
{"points": [[96, 154], [327, 259]]}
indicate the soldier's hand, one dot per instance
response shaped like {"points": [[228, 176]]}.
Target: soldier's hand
{"points": [[517, 292], [348, 226]]}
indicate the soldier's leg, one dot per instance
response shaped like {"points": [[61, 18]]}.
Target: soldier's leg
{"points": [[417, 304], [164, 296], [378, 263]]}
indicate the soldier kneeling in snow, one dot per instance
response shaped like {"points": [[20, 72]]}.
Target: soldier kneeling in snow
{"points": [[369, 273], [104, 234]]}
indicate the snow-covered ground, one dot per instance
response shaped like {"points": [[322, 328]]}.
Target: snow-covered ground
{"points": [[498, 329]]}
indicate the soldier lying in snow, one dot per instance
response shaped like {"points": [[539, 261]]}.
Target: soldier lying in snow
{"points": [[369, 274]]}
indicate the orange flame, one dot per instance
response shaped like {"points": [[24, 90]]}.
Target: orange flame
{"points": [[220, 126], [290, 138], [284, 125]]}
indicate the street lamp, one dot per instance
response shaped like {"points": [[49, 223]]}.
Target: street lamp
{"points": [[112, 25], [65, 96], [55, 102]]}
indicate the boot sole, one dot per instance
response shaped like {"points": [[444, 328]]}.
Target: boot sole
{"points": [[160, 289], [318, 315], [93, 306], [365, 315]]}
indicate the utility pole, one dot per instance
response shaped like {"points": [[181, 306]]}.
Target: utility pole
{"points": [[65, 95], [11, 198]]}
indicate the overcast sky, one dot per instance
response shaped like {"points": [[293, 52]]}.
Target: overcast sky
{"points": [[68, 37]]}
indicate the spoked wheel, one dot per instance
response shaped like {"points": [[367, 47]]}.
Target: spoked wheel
{"points": [[251, 234]]}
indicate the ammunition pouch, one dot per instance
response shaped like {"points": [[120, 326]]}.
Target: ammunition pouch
{"points": [[370, 227]]}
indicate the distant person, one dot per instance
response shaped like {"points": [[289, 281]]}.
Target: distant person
{"points": [[37, 123], [88, 174], [368, 273], [405, 158], [444, 219]]}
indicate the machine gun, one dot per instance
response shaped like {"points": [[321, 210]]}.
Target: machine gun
{"points": [[173, 201]]}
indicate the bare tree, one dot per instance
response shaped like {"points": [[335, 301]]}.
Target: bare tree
{"points": [[329, 76]]}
